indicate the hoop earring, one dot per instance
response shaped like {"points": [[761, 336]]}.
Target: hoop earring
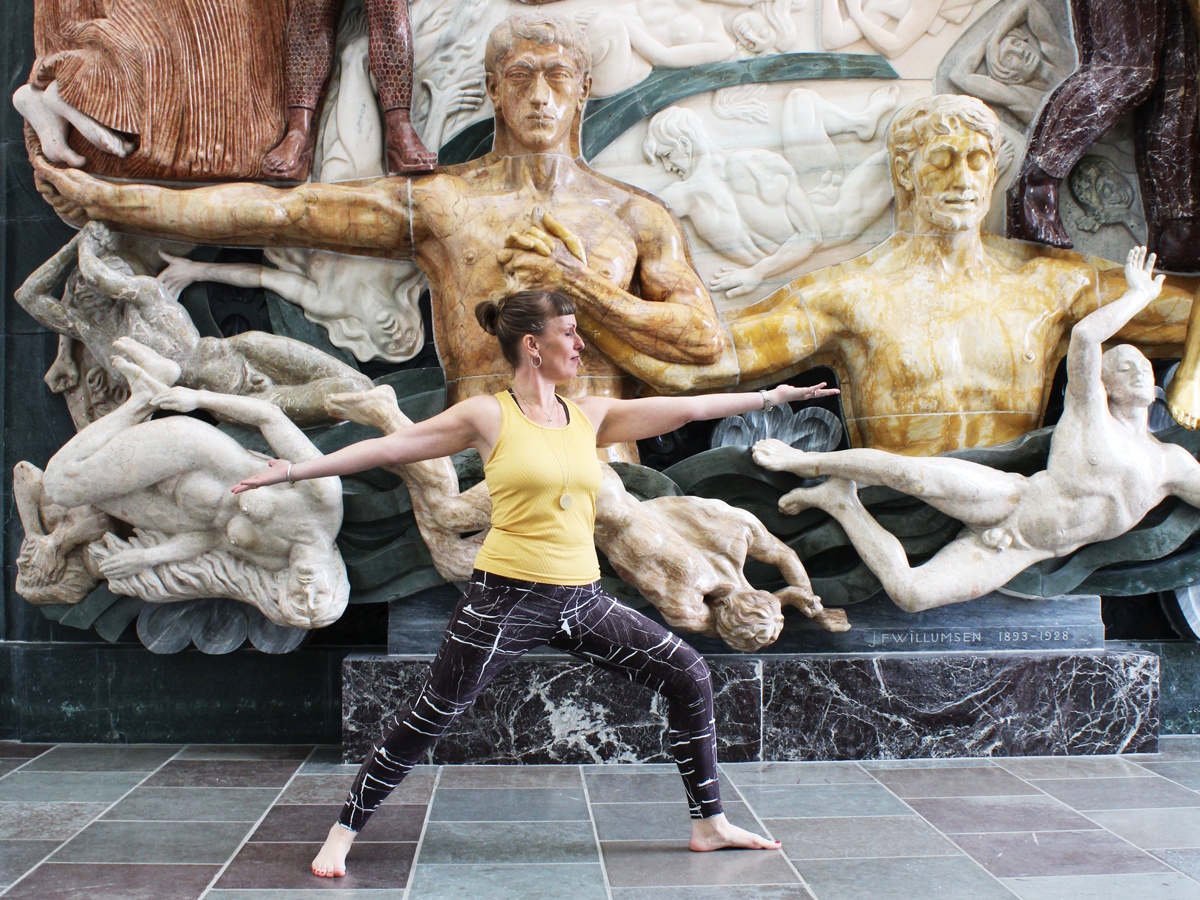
{"points": [[535, 361]]}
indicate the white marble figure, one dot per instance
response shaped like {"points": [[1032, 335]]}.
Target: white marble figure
{"points": [[630, 39], [370, 307], [1105, 472], [105, 300], [891, 27], [51, 117], [684, 554], [169, 479], [751, 207], [1021, 60]]}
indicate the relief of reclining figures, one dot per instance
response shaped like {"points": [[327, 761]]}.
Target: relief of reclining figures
{"points": [[684, 554]]}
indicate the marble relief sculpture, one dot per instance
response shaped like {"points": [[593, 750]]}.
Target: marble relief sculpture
{"points": [[1013, 67], [169, 478], [105, 300], [889, 26], [751, 207], [683, 554], [1141, 57], [163, 89], [526, 214], [1105, 472]]}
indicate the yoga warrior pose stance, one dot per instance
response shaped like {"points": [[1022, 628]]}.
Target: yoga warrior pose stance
{"points": [[1104, 473], [536, 578]]}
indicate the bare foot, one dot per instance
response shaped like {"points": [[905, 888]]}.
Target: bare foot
{"points": [[330, 861], [829, 495], [376, 407], [92, 131], [718, 833], [780, 457], [832, 620], [406, 154], [142, 385], [882, 100], [150, 362], [291, 159], [51, 128]]}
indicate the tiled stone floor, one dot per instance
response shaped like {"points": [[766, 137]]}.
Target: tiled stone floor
{"points": [[242, 823]]}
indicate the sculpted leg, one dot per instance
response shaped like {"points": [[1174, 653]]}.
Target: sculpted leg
{"points": [[391, 58]]}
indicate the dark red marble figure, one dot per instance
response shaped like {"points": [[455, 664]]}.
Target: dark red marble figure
{"points": [[1134, 55], [310, 44]]}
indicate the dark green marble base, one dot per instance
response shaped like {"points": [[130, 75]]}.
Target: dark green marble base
{"points": [[101, 693], [1179, 700]]}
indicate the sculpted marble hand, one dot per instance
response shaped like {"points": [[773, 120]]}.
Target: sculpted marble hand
{"points": [[942, 337], [455, 224], [1105, 472], [683, 554], [168, 477]]}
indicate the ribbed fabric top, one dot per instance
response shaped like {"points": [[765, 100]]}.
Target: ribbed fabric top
{"points": [[531, 467]]}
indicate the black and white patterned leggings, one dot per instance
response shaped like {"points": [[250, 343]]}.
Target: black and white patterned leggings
{"points": [[498, 620]]}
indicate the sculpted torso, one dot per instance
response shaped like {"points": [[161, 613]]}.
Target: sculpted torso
{"points": [[466, 212]]}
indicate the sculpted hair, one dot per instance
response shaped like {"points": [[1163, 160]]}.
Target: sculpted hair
{"points": [[511, 318], [674, 127], [540, 29], [916, 123]]}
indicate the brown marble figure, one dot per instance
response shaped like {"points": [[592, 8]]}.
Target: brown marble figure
{"points": [[1138, 55], [528, 214]]}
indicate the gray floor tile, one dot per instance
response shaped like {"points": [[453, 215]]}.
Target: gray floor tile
{"points": [[154, 842], [314, 894], [297, 752], [46, 821], [78, 787], [485, 777], [328, 761], [509, 805], [859, 837], [102, 758], [333, 787], [1036, 767], [193, 805], [746, 774], [1120, 793], [224, 773], [656, 821], [8, 765], [820, 800], [113, 882], [958, 815], [18, 857], [985, 781], [15, 750], [502, 843], [744, 892], [958, 763], [280, 867], [930, 878], [627, 768], [655, 787], [1185, 772], [1165, 886], [391, 823], [1186, 861], [670, 863], [1179, 746], [1014, 855], [541, 882], [1154, 829]]}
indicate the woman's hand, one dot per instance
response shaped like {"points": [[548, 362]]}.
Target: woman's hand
{"points": [[786, 393], [276, 473]]}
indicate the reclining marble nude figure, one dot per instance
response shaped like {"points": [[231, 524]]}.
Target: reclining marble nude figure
{"points": [[1105, 472], [684, 554], [168, 478]]}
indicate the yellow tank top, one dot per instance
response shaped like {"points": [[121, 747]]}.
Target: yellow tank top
{"points": [[530, 471]]}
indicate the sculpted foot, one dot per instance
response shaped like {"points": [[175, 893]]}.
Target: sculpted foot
{"points": [[718, 833], [882, 100], [376, 407], [406, 154], [291, 159], [777, 456], [832, 620], [330, 861], [50, 127], [158, 367], [1033, 209], [833, 493]]}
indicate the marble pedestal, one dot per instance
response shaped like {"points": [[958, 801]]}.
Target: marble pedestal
{"points": [[550, 708]]}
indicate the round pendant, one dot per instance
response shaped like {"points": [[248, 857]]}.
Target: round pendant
{"points": [[565, 501]]}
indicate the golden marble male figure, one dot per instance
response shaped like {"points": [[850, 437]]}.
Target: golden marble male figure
{"points": [[943, 337], [528, 214]]}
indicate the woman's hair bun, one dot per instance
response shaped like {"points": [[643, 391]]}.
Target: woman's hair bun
{"points": [[488, 314]]}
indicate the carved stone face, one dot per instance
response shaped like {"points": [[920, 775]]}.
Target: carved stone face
{"points": [[1018, 60], [537, 93], [752, 32], [951, 177], [676, 158], [1128, 377]]}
